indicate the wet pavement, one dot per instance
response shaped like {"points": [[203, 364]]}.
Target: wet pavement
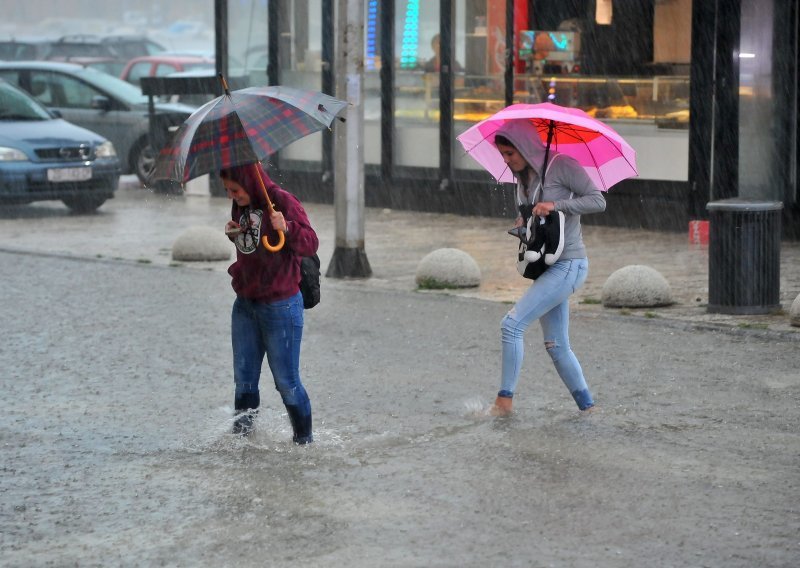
{"points": [[139, 226], [116, 403]]}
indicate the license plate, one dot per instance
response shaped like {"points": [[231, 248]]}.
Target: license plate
{"points": [[69, 174]]}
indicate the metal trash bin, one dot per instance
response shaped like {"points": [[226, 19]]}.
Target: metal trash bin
{"points": [[744, 253]]}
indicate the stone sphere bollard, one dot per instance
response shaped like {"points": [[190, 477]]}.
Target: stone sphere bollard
{"points": [[794, 312], [636, 286], [448, 268], [202, 244]]}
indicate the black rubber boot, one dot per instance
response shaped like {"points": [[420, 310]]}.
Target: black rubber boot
{"points": [[246, 407], [301, 425]]}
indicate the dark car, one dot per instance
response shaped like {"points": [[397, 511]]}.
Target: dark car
{"points": [[129, 46], [44, 158], [102, 103], [78, 46], [16, 49]]}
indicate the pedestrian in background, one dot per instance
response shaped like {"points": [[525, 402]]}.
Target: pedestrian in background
{"points": [[267, 315], [568, 189]]}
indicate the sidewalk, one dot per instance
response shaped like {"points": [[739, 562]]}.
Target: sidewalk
{"points": [[140, 226]]}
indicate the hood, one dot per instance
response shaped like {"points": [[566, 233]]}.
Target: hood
{"points": [[525, 138], [174, 109], [29, 135], [246, 176], [177, 108]]}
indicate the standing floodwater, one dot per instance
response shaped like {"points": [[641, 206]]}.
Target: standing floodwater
{"points": [[116, 448]]}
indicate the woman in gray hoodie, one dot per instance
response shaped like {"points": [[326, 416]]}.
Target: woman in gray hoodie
{"points": [[567, 189]]}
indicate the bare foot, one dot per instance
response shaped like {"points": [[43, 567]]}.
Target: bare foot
{"points": [[590, 410], [501, 407]]}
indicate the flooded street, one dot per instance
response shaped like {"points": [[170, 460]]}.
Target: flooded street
{"points": [[117, 399]]}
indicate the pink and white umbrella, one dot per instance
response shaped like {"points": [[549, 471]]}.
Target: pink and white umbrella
{"points": [[603, 153]]}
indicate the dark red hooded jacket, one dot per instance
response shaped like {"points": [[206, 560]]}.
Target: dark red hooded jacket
{"points": [[257, 273]]}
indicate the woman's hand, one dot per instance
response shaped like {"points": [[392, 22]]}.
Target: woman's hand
{"points": [[232, 229], [544, 208], [277, 221], [518, 222]]}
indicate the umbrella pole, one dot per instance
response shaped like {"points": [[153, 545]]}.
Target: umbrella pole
{"points": [[281, 236], [550, 128]]}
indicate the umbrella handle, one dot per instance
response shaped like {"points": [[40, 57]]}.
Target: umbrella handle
{"points": [[281, 236]]}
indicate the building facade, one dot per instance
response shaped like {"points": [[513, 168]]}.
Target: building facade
{"points": [[705, 91]]}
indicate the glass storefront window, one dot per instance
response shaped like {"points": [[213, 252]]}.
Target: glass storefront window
{"points": [[641, 90], [480, 38], [372, 84], [247, 41], [300, 48], [416, 140], [756, 103]]}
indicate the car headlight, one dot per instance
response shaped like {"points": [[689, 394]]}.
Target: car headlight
{"points": [[12, 155], [105, 150]]}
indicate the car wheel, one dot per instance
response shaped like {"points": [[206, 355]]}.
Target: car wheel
{"points": [[143, 158], [84, 203]]}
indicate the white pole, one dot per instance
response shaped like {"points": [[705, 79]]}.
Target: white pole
{"points": [[349, 257]]}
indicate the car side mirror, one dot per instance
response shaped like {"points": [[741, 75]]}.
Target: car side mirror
{"points": [[55, 113], [101, 102]]}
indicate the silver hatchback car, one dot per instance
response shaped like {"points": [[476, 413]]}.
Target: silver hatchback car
{"points": [[99, 102]]}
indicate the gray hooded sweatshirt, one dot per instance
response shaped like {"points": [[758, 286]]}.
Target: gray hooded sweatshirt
{"points": [[566, 184]]}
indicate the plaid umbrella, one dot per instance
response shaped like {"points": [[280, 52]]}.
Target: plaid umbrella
{"points": [[244, 127]]}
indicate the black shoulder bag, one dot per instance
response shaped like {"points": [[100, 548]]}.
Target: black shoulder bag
{"points": [[309, 281]]}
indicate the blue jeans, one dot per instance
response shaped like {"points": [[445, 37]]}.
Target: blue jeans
{"points": [[548, 301], [273, 329]]}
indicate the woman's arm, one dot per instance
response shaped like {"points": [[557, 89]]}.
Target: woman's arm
{"points": [[300, 236], [586, 197]]}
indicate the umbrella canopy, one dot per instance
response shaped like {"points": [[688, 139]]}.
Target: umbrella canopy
{"points": [[243, 127], [603, 153]]}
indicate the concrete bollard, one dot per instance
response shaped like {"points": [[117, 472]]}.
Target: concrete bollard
{"points": [[794, 312], [636, 286], [448, 268], [202, 244]]}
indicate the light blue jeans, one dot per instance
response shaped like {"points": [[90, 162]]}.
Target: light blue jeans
{"points": [[273, 329], [548, 301]]}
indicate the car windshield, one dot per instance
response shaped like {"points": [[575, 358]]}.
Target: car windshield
{"points": [[113, 85], [15, 105]]}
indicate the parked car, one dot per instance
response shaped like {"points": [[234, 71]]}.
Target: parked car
{"points": [[78, 46], [162, 65], [102, 103], [129, 46], [43, 157], [110, 65], [15, 49]]}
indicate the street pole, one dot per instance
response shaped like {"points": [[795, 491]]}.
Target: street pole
{"points": [[349, 256]]}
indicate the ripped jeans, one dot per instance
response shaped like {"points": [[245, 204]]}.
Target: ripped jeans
{"points": [[273, 329], [548, 301]]}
